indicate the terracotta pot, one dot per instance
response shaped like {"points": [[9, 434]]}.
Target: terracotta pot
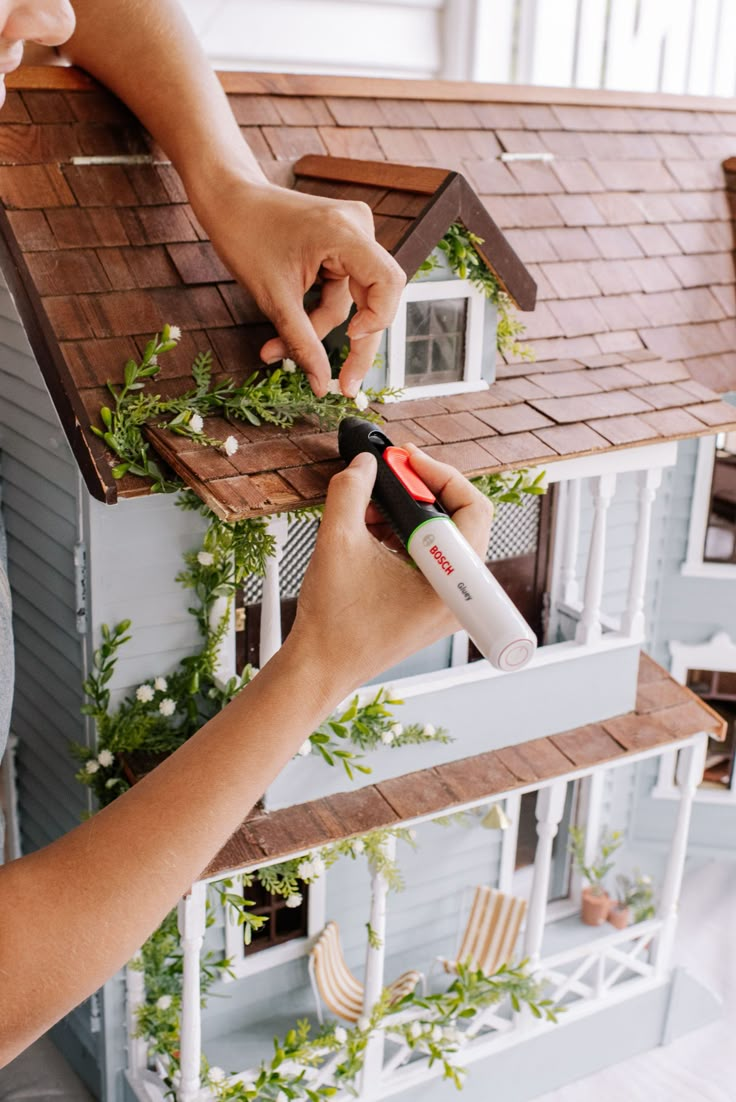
{"points": [[620, 917], [595, 907]]}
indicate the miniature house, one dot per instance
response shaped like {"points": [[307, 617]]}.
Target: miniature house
{"points": [[635, 278]]}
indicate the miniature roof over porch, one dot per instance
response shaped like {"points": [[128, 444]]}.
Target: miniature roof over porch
{"points": [[665, 714], [626, 230]]}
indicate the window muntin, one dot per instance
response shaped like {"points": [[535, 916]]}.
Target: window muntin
{"points": [[284, 923], [720, 533], [435, 341]]}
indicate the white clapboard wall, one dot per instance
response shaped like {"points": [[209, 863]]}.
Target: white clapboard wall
{"points": [[636, 45]]}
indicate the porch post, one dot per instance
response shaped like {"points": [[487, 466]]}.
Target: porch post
{"points": [[191, 915], [135, 990], [690, 767], [633, 619], [589, 629], [374, 961], [270, 637], [571, 514], [550, 805]]}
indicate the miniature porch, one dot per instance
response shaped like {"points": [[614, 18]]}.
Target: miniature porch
{"points": [[586, 970]]}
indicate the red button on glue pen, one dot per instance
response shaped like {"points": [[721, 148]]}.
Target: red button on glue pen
{"points": [[398, 460]]}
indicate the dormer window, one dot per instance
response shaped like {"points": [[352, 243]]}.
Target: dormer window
{"points": [[435, 345]]}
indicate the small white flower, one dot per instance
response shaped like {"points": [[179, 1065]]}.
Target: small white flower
{"points": [[205, 558], [230, 446], [167, 707], [105, 758], [305, 871], [174, 333], [646, 879], [281, 1097], [294, 900], [340, 1035], [363, 1022], [216, 1075], [436, 1033], [387, 737], [288, 366], [429, 730], [246, 1080], [164, 1002], [358, 845], [361, 400], [160, 684], [318, 866], [196, 424], [415, 1030], [92, 767], [396, 730], [144, 694], [176, 1079], [153, 359], [453, 1035], [305, 748], [333, 387]]}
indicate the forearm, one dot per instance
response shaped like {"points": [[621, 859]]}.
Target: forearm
{"points": [[160, 71], [73, 913]]}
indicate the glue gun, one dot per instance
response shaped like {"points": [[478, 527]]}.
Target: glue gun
{"points": [[458, 576]]}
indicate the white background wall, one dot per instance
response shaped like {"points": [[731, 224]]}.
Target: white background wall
{"points": [[640, 45]]}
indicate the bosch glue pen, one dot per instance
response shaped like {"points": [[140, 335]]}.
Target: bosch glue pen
{"points": [[439, 549]]}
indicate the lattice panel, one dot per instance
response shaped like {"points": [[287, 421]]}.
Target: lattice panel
{"points": [[515, 529], [294, 561]]}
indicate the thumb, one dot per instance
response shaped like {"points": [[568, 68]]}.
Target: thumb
{"points": [[349, 494]]}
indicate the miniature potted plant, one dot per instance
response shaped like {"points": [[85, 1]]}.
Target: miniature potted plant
{"points": [[596, 902], [635, 900]]}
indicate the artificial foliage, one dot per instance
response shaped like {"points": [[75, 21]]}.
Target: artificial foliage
{"points": [[595, 871]]}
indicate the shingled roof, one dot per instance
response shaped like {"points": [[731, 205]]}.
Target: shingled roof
{"points": [[626, 230], [665, 714]]}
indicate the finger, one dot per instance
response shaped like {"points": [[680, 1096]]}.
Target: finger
{"points": [[358, 363], [334, 306], [468, 507], [302, 344], [349, 495], [376, 283]]}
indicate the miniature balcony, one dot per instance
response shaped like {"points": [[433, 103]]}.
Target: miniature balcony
{"points": [[585, 672]]}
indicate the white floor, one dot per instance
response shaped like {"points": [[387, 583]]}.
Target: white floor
{"points": [[697, 1068]]}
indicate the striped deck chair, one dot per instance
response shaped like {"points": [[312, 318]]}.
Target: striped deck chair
{"points": [[491, 932], [334, 984]]}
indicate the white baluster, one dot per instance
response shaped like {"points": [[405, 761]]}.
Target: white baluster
{"points": [[225, 659], [459, 649], [589, 629], [633, 619], [571, 519], [374, 962], [549, 808], [690, 765], [191, 915], [270, 637], [135, 990], [509, 844]]}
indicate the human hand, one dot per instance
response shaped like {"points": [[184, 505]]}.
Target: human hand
{"points": [[277, 243], [363, 607]]}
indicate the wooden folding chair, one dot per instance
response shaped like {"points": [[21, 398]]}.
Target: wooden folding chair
{"points": [[491, 932]]}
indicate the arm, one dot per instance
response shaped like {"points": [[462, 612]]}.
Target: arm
{"points": [[113, 879], [274, 240]]}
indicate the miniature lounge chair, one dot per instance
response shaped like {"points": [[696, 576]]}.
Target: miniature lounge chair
{"points": [[491, 932], [334, 984]]}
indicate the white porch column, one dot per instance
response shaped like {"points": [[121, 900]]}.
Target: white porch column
{"points": [[633, 619], [571, 516], [270, 637], [589, 629], [550, 805], [509, 844], [374, 960], [690, 767], [135, 989], [191, 915], [459, 648]]}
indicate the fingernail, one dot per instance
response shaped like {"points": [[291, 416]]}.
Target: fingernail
{"points": [[273, 360], [363, 460]]}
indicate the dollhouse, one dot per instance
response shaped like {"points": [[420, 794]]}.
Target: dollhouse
{"points": [[474, 778]]}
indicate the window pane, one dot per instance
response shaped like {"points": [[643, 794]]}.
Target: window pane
{"points": [[417, 356], [720, 537], [448, 358], [449, 315], [417, 319]]}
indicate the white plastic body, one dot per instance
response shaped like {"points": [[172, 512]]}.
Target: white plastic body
{"points": [[465, 584]]}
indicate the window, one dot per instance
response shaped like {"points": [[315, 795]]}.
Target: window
{"points": [[560, 880], [711, 547], [720, 533], [718, 688], [436, 344], [284, 923]]}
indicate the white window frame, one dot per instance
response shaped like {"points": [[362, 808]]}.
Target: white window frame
{"points": [[719, 655], [427, 291], [694, 565], [297, 947]]}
